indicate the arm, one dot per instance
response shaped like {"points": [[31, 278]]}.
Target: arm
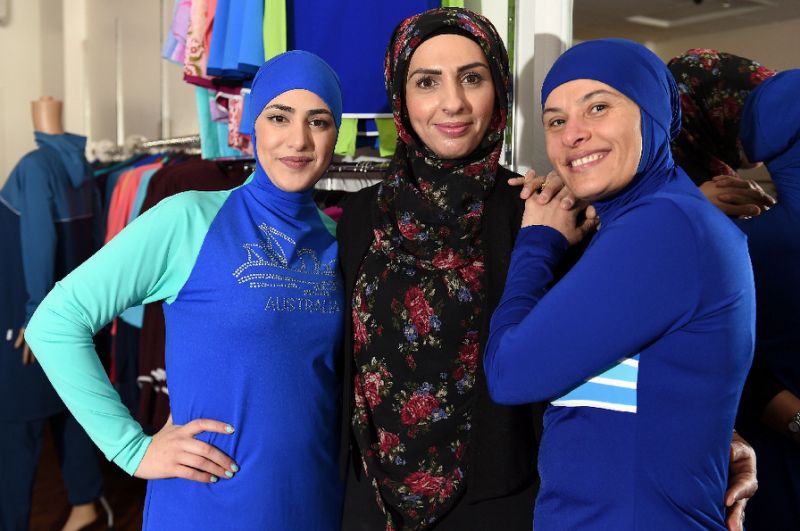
{"points": [[533, 329], [37, 232], [148, 261], [737, 197]]}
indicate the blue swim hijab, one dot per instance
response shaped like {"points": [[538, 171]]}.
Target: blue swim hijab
{"points": [[639, 74], [770, 130], [292, 70], [296, 69]]}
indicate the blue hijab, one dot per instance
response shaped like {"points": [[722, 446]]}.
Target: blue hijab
{"points": [[639, 74], [292, 70], [770, 130]]}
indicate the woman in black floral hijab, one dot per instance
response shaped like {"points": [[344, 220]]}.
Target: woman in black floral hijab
{"points": [[424, 255], [713, 88]]}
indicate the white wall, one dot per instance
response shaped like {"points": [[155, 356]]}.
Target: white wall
{"points": [[773, 45], [68, 50], [20, 80]]}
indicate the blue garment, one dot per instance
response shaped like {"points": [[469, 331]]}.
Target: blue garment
{"points": [[774, 242], [219, 31], [643, 347], [20, 449], [251, 47], [49, 189], [253, 311], [351, 35], [233, 39], [295, 70], [46, 209]]}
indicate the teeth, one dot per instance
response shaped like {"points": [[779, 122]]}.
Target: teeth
{"points": [[587, 159]]}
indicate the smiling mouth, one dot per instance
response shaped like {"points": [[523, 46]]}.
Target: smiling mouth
{"points": [[296, 162], [588, 159], [453, 129]]}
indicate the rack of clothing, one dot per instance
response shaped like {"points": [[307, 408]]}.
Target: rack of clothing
{"points": [[221, 43]]}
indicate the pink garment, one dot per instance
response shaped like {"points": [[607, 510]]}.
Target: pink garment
{"points": [[235, 138], [198, 38], [179, 29], [219, 107], [334, 212], [122, 198]]}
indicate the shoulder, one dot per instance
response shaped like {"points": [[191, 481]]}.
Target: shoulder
{"points": [[357, 201], [187, 207], [357, 210]]}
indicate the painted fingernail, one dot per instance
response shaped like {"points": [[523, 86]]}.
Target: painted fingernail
{"points": [[235, 467], [229, 473], [214, 479], [228, 428]]}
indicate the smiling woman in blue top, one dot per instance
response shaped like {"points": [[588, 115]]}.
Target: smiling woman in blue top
{"points": [[643, 393], [253, 315]]}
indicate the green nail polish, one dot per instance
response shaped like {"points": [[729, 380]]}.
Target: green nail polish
{"points": [[229, 473], [228, 428], [214, 479], [235, 467]]}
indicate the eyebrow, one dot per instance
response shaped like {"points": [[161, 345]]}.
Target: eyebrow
{"points": [[286, 108], [584, 98], [438, 72]]}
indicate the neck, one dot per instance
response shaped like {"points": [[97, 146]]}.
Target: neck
{"points": [[288, 201]]}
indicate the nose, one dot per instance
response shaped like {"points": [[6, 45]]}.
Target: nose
{"points": [[453, 98], [575, 132], [299, 137]]}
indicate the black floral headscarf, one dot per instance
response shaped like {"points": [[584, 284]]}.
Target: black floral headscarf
{"points": [[713, 88], [418, 299]]}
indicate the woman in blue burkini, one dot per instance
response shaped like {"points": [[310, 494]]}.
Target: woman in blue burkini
{"points": [[643, 392], [253, 316], [770, 132]]}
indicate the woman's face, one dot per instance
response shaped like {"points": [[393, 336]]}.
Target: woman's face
{"points": [[450, 95], [295, 136], [593, 136]]}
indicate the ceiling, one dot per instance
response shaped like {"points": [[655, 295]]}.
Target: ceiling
{"points": [[669, 19]]}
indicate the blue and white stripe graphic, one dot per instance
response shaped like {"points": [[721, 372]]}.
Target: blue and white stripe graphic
{"points": [[614, 389]]}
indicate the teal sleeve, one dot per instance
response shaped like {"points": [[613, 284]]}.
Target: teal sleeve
{"points": [[148, 261], [330, 224]]}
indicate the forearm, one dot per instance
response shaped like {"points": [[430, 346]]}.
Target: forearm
{"points": [[779, 412], [60, 335]]}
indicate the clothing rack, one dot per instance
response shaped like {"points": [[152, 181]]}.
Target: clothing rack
{"points": [[178, 142], [108, 151]]}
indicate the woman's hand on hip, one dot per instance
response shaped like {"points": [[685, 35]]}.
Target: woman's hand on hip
{"points": [[742, 482], [574, 223], [175, 453]]}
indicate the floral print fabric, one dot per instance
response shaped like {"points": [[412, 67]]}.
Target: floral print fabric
{"points": [[418, 299], [713, 88]]}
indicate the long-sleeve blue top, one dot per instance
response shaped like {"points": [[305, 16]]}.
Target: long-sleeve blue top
{"points": [[253, 319], [46, 221], [642, 350], [50, 190], [774, 237]]}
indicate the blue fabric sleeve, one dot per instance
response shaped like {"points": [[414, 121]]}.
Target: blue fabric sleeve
{"points": [[637, 281], [219, 31], [37, 230], [251, 48]]}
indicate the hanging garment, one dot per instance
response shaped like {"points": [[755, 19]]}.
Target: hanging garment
{"points": [[46, 211], [337, 32]]}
